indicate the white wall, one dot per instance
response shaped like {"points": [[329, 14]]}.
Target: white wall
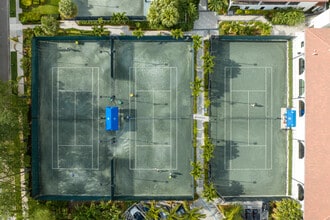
{"points": [[321, 21]]}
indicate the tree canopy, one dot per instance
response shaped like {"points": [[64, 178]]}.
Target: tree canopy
{"points": [[163, 13], [67, 9], [13, 124]]}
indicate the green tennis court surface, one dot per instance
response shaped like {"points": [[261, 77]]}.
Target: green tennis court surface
{"points": [[248, 89], [149, 156], [97, 8]]}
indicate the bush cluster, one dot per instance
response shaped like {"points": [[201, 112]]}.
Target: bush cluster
{"points": [[244, 28], [289, 16]]}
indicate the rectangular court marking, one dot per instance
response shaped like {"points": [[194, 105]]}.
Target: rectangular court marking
{"points": [[267, 70], [133, 89], [75, 91]]}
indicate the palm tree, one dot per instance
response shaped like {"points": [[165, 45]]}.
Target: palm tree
{"points": [[172, 213], [209, 192], [218, 5], [138, 33], [192, 11], [197, 41], [196, 87], [192, 214], [119, 18], [288, 209], [197, 170], [153, 212], [177, 33], [67, 9], [232, 211]]}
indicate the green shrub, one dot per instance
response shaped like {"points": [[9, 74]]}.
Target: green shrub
{"points": [[244, 28], [30, 17], [46, 10], [288, 17], [26, 3], [12, 8]]}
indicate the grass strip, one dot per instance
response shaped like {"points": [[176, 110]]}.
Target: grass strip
{"points": [[290, 73], [12, 9], [13, 65], [290, 162]]}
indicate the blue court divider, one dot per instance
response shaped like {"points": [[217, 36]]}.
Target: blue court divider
{"points": [[111, 118]]}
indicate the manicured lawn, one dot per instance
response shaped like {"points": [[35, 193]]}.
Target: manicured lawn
{"points": [[46, 9], [13, 67], [12, 11]]}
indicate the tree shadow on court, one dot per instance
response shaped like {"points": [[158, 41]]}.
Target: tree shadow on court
{"points": [[224, 70], [225, 151]]}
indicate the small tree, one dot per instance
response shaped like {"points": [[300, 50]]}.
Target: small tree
{"points": [[197, 41], [196, 87], [67, 9], [288, 209], [49, 25], [209, 192], [197, 170], [119, 18], [177, 33]]}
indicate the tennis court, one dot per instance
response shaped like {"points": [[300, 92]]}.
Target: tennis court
{"points": [[75, 155], [247, 92], [104, 8]]}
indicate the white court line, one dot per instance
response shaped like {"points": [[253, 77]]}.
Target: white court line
{"points": [[52, 115], [271, 112], [248, 90], [225, 114], [248, 106], [153, 115], [230, 114], [135, 144], [75, 112], [170, 104], [98, 116], [266, 121], [92, 116], [136, 91], [74, 118], [151, 90], [248, 67], [129, 123], [57, 118]]}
